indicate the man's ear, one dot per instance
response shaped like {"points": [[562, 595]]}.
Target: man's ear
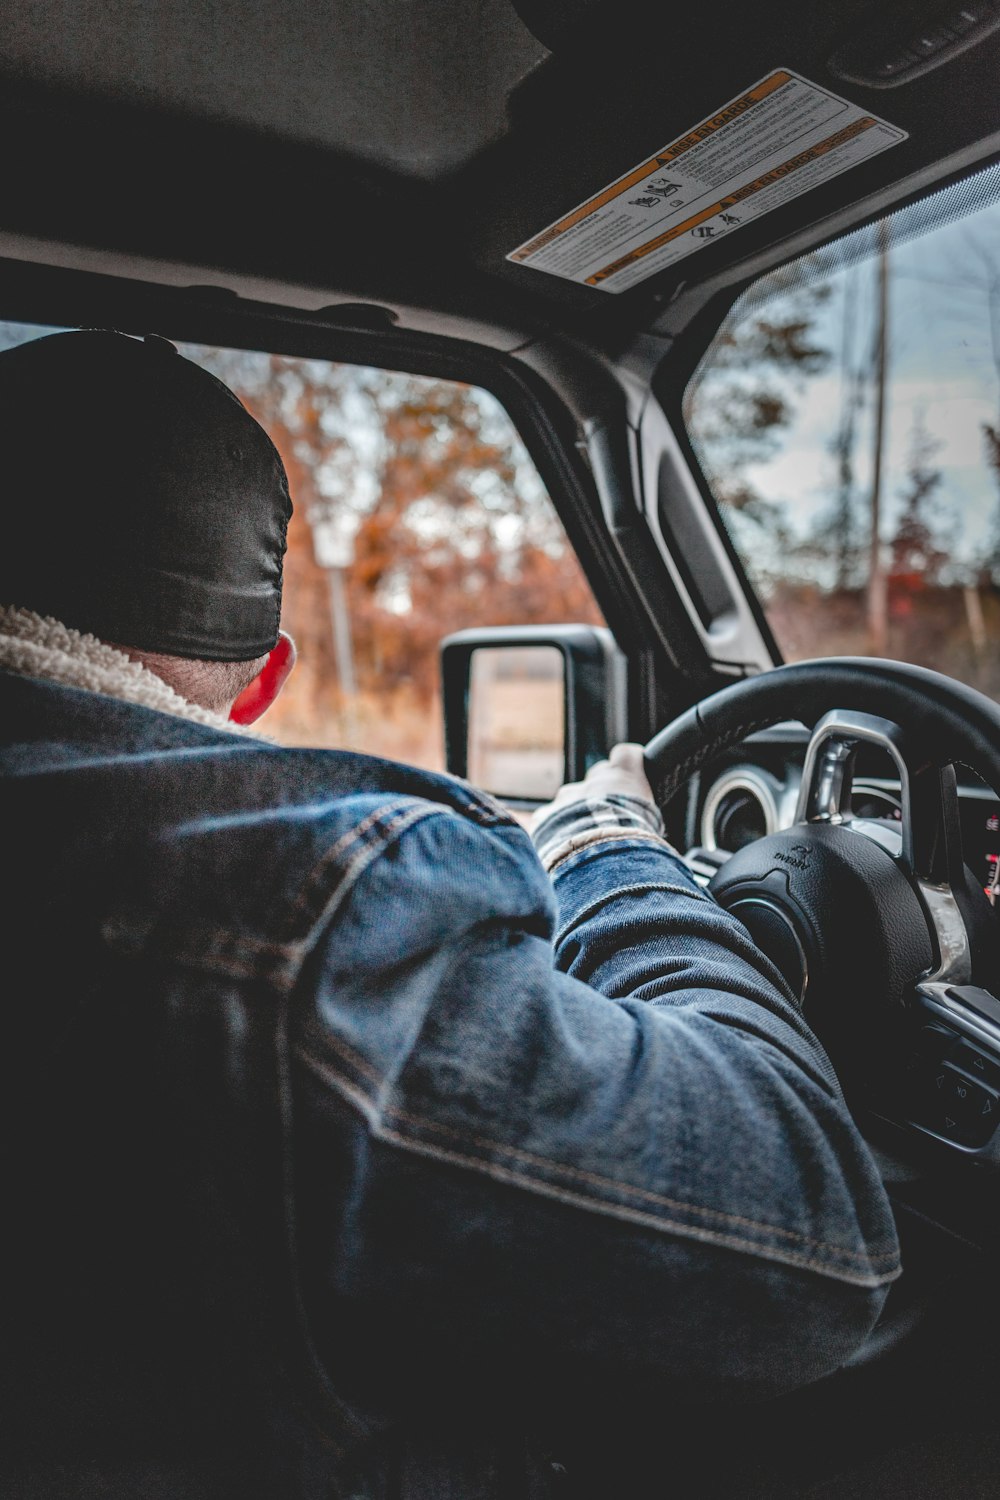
{"points": [[257, 697]]}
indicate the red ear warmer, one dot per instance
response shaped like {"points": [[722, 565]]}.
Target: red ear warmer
{"points": [[261, 693]]}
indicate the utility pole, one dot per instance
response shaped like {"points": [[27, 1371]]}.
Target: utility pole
{"points": [[343, 644], [878, 600], [333, 548]]}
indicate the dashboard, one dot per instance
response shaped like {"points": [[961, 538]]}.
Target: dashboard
{"points": [[753, 791]]}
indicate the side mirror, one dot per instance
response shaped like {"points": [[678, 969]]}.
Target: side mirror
{"points": [[526, 709]]}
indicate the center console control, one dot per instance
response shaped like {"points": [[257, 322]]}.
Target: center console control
{"points": [[952, 1068]]}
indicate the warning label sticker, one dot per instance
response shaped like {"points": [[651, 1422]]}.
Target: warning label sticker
{"points": [[777, 140]]}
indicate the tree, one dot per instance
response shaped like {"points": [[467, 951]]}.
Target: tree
{"points": [[453, 538], [916, 558]]}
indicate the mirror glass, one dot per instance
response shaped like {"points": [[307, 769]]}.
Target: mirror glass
{"points": [[516, 721]]}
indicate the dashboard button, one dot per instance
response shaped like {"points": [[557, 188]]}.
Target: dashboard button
{"points": [[976, 1064], [892, 63], [934, 39], [921, 1062], [957, 1092], [960, 1108], [967, 17]]}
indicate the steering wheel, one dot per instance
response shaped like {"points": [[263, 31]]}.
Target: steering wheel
{"points": [[880, 931]]}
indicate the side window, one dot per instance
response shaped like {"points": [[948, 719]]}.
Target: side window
{"points": [[417, 511], [847, 419]]}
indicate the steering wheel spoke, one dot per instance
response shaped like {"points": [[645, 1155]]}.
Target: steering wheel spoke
{"points": [[930, 832]]}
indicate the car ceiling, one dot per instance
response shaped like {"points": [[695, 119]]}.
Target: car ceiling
{"points": [[393, 152], [408, 85]]}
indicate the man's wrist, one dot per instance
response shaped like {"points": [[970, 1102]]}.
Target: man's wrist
{"points": [[589, 820]]}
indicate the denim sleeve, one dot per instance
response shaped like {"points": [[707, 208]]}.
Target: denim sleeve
{"points": [[637, 1156], [677, 941]]}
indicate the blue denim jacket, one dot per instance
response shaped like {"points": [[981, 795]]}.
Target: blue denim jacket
{"points": [[509, 1124]]}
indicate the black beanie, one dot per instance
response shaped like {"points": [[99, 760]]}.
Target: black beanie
{"points": [[143, 502]]}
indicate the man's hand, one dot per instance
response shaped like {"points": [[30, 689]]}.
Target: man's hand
{"points": [[623, 774], [613, 801]]}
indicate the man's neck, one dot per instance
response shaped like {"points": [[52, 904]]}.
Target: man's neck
{"points": [[34, 645]]}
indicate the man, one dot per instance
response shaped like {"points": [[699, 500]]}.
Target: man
{"points": [[339, 1116]]}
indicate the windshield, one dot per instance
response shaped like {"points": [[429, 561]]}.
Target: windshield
{"points": [[847, 418]]}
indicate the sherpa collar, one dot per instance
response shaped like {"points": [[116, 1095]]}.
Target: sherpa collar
{"points": [[37, 646]]}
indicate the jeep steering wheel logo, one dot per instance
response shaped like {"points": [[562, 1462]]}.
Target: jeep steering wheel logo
{"points": [[797, 856]]}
